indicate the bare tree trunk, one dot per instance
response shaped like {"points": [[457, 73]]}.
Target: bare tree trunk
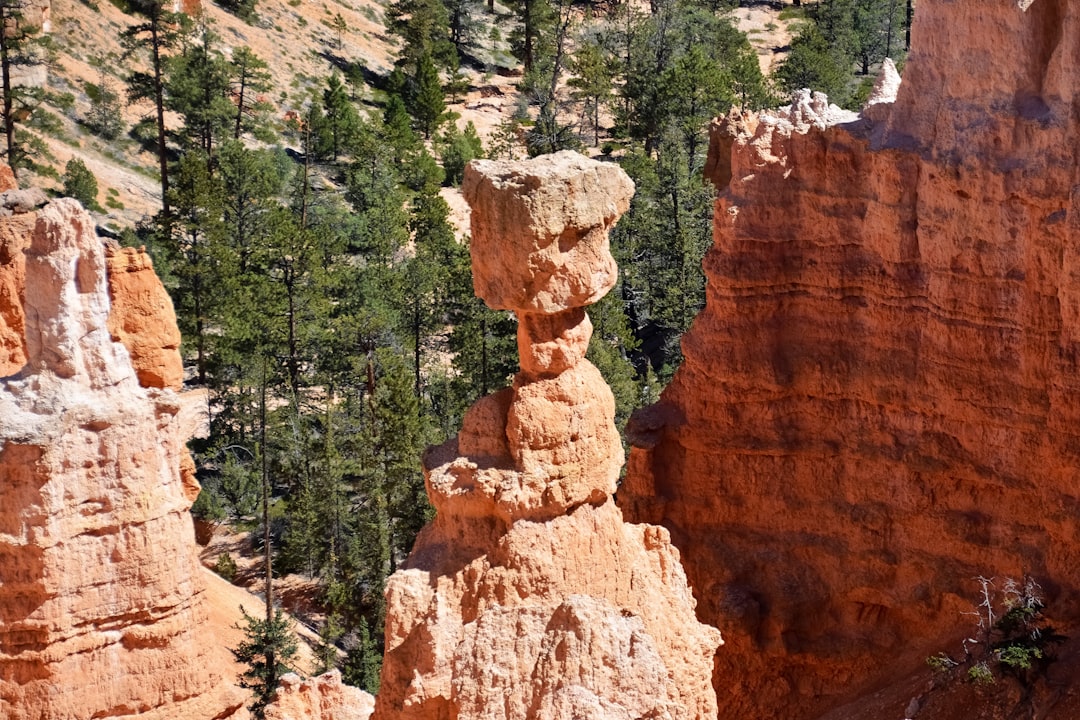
{"points": [[9, 118], [267, 560], [159, 102]]}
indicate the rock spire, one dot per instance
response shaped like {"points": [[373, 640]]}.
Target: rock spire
{"points": [[100, 587], [528, 596]]}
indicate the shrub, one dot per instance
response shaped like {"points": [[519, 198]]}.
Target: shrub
{"points": [[1012, 635], [980, 674], [81, 184], [226, 566]]}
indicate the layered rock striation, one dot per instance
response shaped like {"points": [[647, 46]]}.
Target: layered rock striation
{"points": [[881, 398], [100, 587], [528, 596]]}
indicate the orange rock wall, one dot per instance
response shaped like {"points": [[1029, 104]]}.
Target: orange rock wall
{"points": [[881, 399], [14, 238], [142, 318]]}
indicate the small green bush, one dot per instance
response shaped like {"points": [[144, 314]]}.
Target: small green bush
{"points": [[980, 674], [226, 566], [1011, 635], [941, 662], [80, 183]]}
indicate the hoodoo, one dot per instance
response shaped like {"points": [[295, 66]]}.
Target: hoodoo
{"points": [[528, 596], [100, 595], [881, 399]]}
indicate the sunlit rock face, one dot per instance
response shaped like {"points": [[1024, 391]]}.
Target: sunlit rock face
{"points": [[529, 596], [881, 398], [324, 697], [100, 592]]}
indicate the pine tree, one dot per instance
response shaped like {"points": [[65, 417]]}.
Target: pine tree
{"points": [[428, 271], [268, 648], [484, 341], [341, 117], [461, 23], [532, 37], [81, 184], [251, 180], [397, 128], [424, 29], [364, 662], [104, 117], [197, 255], [427, 103], [816, 64], [197, 89], [17, 49], [249, 77], [458, 148], [685, 65], [611, 349], [340, 28], [659, 244], [159, 35], [591, 81]]}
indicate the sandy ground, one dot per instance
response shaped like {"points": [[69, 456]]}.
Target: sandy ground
{"points": [[295, 37], [769, 35]]}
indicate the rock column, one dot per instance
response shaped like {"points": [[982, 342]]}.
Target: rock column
{"points": [[528, 596], [101, 595]]}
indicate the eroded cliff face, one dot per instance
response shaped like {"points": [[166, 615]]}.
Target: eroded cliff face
{"points": [[881, 399], [528, 596], [100, 588]]}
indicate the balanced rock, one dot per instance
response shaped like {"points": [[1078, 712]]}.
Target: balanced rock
{"points": [[540, 230], [528, 596], [100, 585]]}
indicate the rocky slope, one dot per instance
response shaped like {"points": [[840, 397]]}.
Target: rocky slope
{"points": [[100, 594], [529, 597], [880, 400]]}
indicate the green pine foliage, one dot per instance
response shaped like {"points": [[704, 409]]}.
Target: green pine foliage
{"points": [[458, 148], [104, 118], [268, 648], [423, 26], [364, 661], [843, 37], [342, 120], [426, 100], [197, 89], [21, 45], [80, 183]]}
